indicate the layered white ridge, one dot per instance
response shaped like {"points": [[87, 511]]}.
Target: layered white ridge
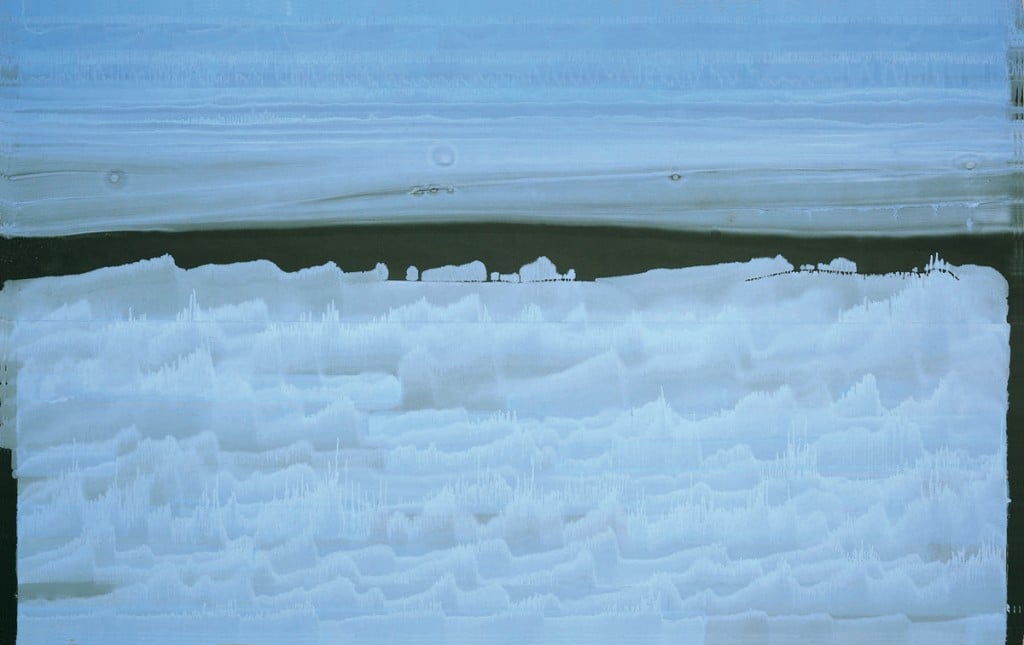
{"points": [[237, 454]]}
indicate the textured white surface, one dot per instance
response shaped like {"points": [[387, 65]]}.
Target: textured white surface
{"points": [[788, 116], [236, 454]]}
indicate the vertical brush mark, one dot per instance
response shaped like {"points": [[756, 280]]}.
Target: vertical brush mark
{"points": [[1015, 277], [8, 487], [1015, 64], [8, 548], [10, 76], [8, 392], [1014, 442]]}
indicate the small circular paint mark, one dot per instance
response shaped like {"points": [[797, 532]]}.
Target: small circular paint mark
{"points": [[675, 176], [115, 178], [442, 155], [968, 161]]}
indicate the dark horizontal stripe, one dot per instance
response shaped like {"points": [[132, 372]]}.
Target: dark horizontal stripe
{"points": [[593, 251]]}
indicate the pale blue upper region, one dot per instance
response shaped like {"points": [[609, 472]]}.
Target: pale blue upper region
{"points": [[917, 11], [605, 51], [795, 116]]}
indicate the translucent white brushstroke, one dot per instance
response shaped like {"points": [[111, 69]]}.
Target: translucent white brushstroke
{"points": [[236, 454], [470, 272], [541, 270]]}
